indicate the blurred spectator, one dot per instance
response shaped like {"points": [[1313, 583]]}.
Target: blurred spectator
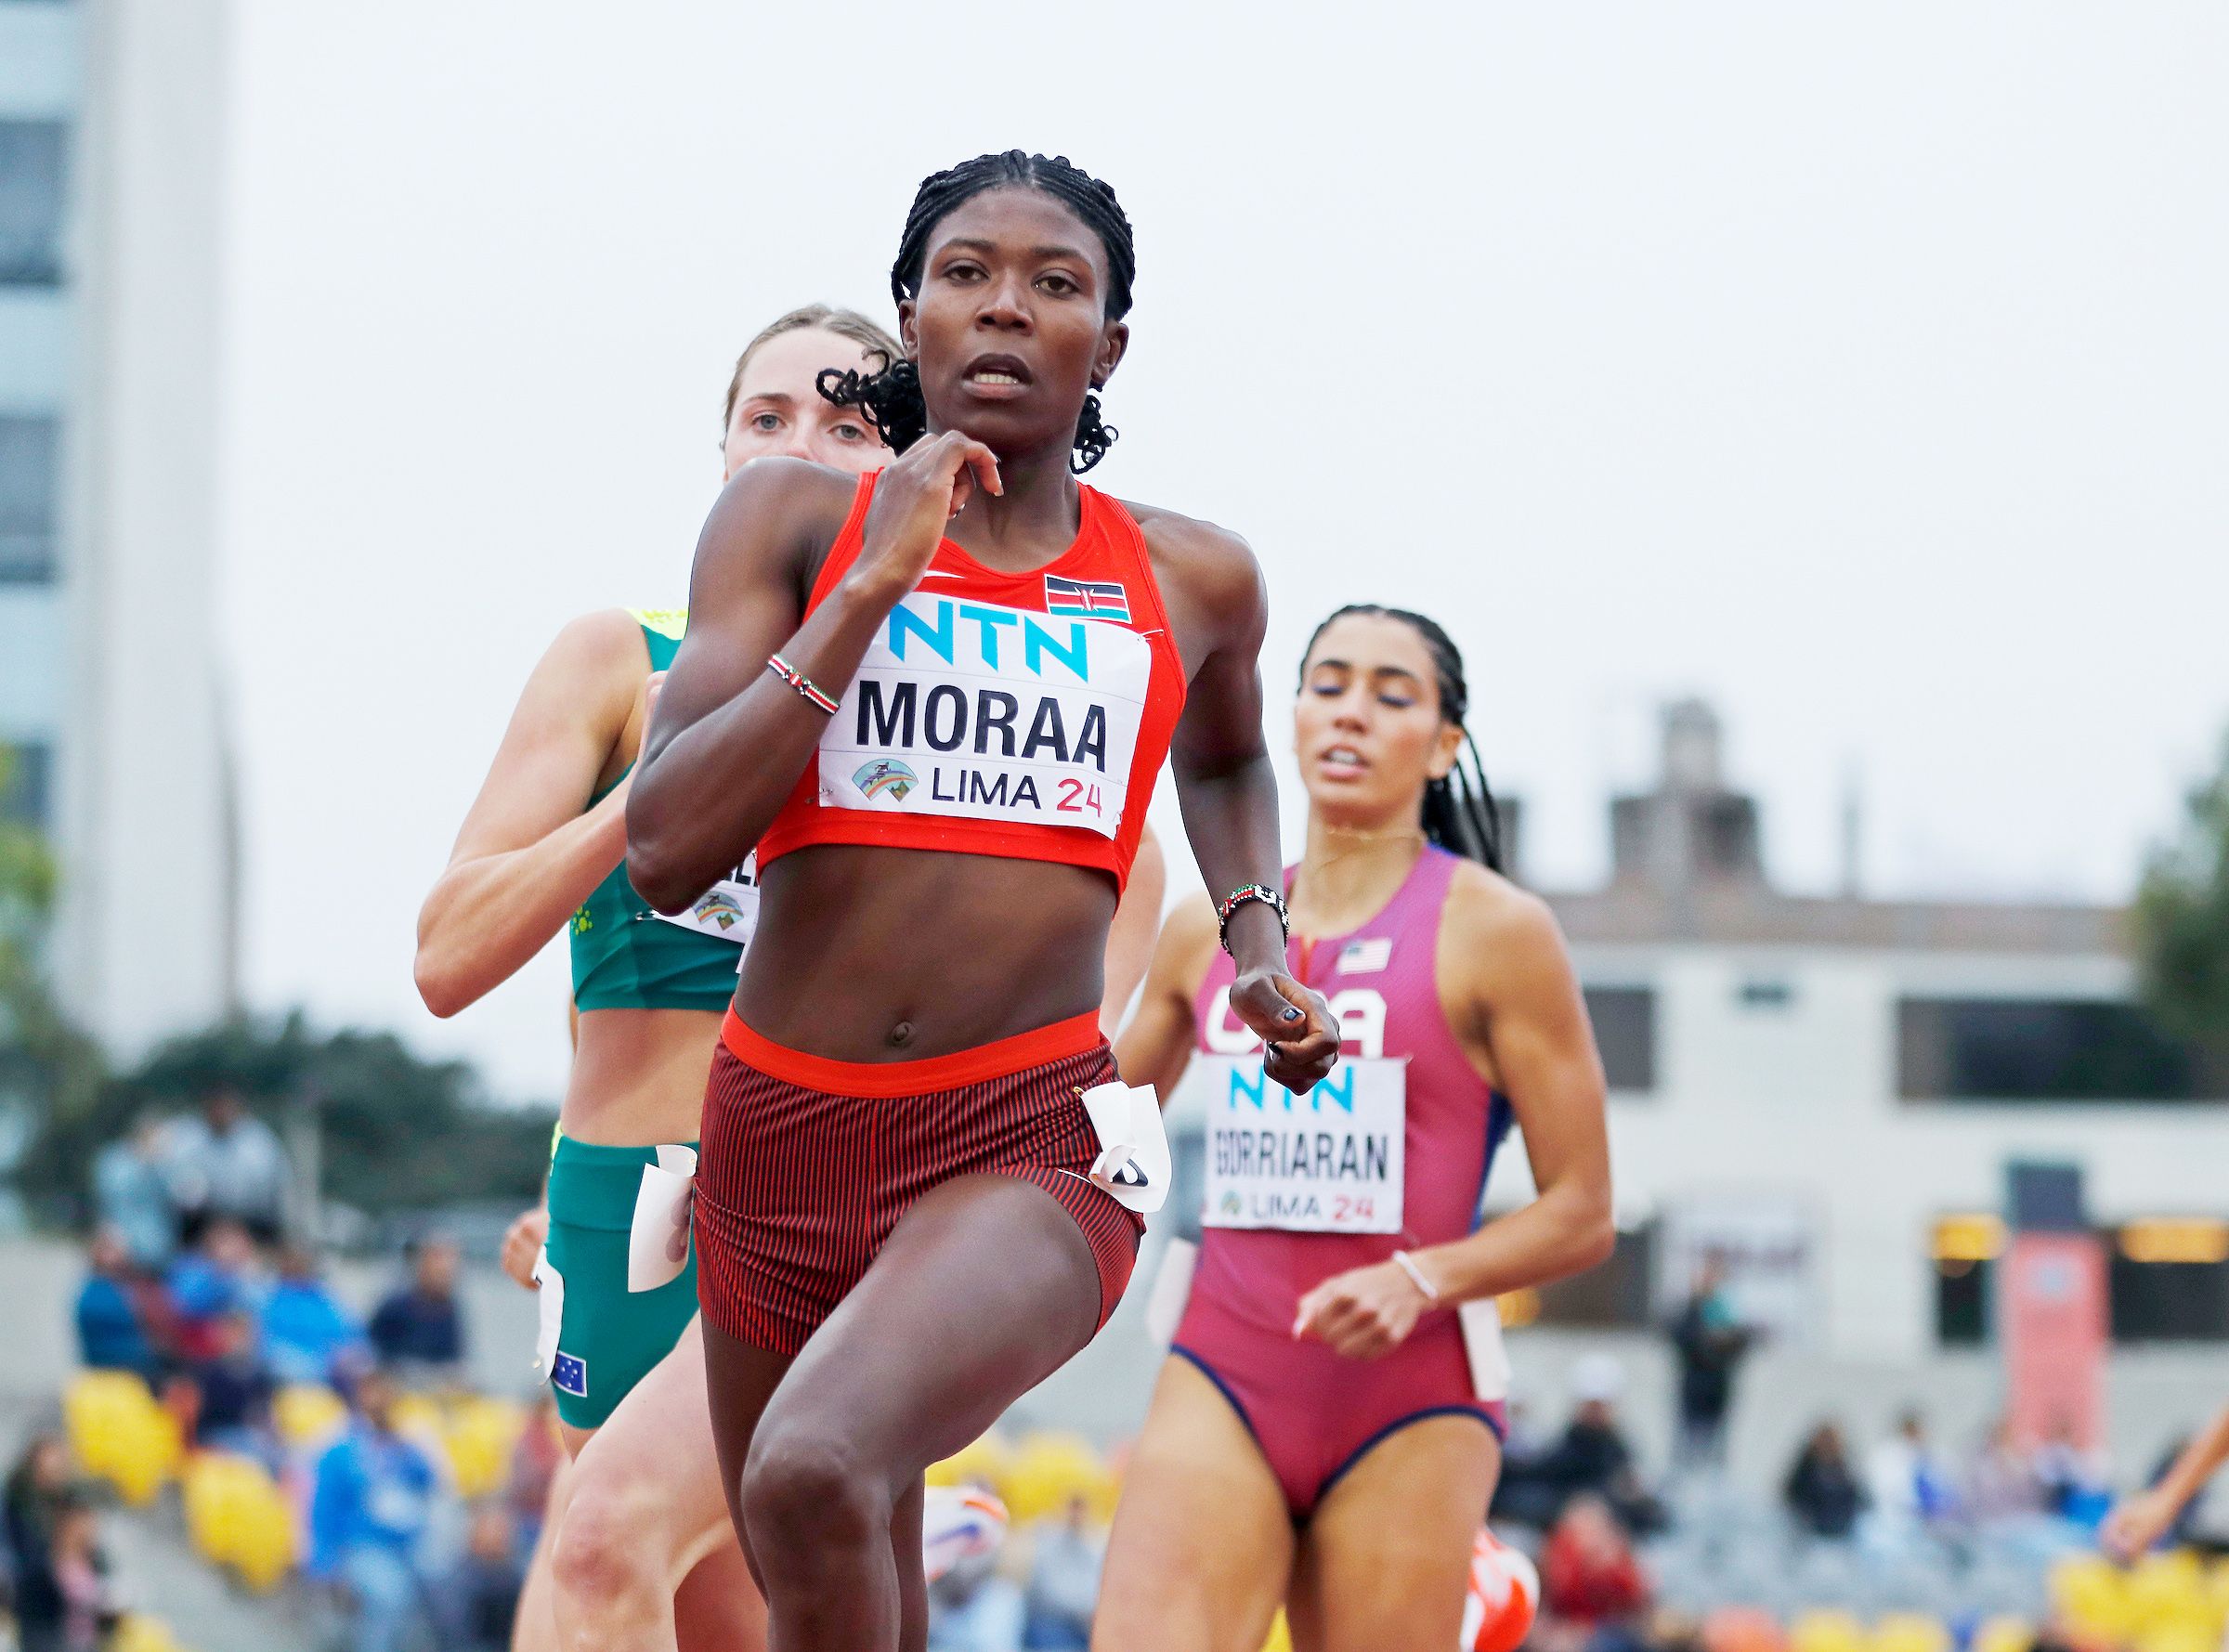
{"points": [[2074, 1481], [1711, 1344], [2003, 1484], [1822, 1491], [1588, 1574], [1905, 1484], [228, 1163], [132, 1194], [534, 1464], [1592, 1458], [306, 1330], [34, 1486], [1064, 1584], [110, 1335], [235, 1390], [477, 1602], [371, 1503], [419, 1325], [65, 1606], [216, 1277]]}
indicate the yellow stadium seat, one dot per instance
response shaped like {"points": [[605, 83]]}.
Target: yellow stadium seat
{"points": [[479, 1436], [140, 1632], [2004, 1634], [119, 1433], [1827, 1631], [1280, 1637], [984, 1462], [2091, 1596], [238, 1517], [1051, 1469], [309, 1415], [1911, 1631]]}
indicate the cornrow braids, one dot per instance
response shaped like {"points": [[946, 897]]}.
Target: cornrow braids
{"points": [[1459, 813], [891, 399]]}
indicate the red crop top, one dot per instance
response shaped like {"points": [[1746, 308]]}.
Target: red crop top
{"points": [[1023, 715]]}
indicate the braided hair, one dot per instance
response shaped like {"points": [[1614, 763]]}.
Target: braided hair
{"points": [[892, 398], [1459, 810]]}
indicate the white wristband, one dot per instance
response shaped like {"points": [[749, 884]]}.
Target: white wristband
{"points": [[1408, 1265]]}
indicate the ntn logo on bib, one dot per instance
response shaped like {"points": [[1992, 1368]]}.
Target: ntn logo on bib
{"points": [[1333, 1160], [987, 712]]}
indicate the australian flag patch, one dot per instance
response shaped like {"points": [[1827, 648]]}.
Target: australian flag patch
{"points": [[1087, 599], [569, 1373]]}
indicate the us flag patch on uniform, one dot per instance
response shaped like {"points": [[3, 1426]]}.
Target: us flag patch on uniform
{"points": [[1087, 599], [569, 1373]]}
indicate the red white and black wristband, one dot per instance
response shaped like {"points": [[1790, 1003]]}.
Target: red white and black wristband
{"points": [[1239, 897], [803, 684]]}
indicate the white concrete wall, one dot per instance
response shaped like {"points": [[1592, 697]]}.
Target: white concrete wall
{"points": [[146, 941], [1802, 1100]]}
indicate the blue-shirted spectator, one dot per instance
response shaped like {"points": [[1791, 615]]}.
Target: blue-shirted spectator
{"points": [[371, 1505], [132, 1194], [306, 1330], [420, 1326], [110, 1335], [216, 1277]]}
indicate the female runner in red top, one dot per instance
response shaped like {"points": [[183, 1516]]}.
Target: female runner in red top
{"points": [[1320, 1435], [942, 748]]}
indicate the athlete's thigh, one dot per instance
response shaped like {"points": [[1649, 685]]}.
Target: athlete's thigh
{"points": [[739, 1380], [1202, 1544], [984, 1287], [1386, 1557], [718, 1608], [660, 1438]]}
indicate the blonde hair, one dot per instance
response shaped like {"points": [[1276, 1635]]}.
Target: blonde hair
{"points": [[844, 323]]}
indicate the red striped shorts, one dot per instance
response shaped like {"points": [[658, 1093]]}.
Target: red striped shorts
{"points": [[808, 1163]]}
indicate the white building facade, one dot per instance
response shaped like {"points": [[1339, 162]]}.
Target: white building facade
{"points": [[112, 129], [1834, 1090]]}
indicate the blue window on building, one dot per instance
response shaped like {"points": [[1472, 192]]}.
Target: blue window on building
{"points": [[30, 481], [33, 155], [27, 784]]}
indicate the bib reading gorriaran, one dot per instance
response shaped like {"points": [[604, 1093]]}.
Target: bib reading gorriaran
{"points": [[1023, 715]]}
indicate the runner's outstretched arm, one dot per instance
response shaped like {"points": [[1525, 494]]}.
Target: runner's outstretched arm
{"points": [[527, 854], [2142, 1518]]}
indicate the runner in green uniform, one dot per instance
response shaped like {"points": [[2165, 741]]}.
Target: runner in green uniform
{"points": [[637, 1548]]}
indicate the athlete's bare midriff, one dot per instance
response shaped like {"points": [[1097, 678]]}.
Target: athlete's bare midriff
{"points": [[882, 954], [638, 1075]]}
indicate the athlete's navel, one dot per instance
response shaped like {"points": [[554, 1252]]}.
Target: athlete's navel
{"points": [[901, 1036]]}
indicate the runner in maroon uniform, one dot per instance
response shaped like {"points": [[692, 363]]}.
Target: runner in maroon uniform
{"points": [[1325, 1434]]}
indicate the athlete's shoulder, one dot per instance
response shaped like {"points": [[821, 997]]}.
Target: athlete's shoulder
{"points": [[1217, 560], [670, 623], [777, 496], [605, 642], [1494, 921]]}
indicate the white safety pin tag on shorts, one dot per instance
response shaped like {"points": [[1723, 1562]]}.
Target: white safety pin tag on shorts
{"points": [[1480, 1321], [550, 1310], [658, 1239], [1133, 1166]]}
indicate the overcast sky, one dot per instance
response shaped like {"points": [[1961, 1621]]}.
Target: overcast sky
{"points": [[1864, 369]]}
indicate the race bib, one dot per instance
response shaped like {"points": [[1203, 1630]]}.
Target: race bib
{"points": [[1329, 1162], [727, 911], [990, 713]]}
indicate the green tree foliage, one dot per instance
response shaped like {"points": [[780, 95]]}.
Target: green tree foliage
{"points": [[2182, 920], [399, 1133], [45, 1065]]}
